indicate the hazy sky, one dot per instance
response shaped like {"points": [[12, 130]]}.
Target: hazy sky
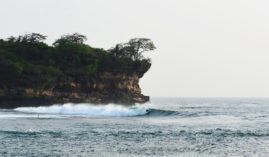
{"points": [[205, 47]]}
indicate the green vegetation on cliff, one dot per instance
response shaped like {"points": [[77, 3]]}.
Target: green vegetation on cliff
{"points": [[28, 62]]}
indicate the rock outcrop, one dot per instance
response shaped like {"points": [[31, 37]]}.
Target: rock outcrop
{"points": [[107, 87]]}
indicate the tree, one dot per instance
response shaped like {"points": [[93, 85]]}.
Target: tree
{"points": [[140, 45], [32, 38], [11, 39], [118, 51], [35, 38], [73, 38], [134, 49]]}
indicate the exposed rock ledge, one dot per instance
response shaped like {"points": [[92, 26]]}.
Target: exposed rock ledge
{"points": [[104, 88]]}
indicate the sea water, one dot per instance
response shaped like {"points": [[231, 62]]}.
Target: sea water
{"points": [[164, 127]]}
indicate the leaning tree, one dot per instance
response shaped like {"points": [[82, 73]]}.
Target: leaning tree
{"points": [[133, 49]]}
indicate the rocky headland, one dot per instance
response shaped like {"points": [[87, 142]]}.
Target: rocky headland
{"points": [[35, 74]]}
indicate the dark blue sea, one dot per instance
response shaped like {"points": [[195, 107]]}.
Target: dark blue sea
{"points": [[165, 127]]}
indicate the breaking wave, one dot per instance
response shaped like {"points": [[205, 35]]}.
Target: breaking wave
{"points": [[87, 109], [96, 110]]}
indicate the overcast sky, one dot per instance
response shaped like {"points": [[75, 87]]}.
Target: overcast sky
{"points": [[205, 48]]}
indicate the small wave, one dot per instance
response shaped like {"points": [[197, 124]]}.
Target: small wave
{"points": [[30, 133], [156, 112], [219, 132]]}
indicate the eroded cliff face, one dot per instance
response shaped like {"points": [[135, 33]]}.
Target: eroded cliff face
{"points": [[107, 87]]}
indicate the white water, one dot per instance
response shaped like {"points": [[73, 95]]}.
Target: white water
{"points": [[16, 116], [87, 109]]}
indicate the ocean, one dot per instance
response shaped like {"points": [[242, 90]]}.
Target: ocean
{"points": [[164, 127]]}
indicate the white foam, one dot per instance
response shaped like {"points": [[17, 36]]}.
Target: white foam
{"points": [[14, 116], [87, 109]]}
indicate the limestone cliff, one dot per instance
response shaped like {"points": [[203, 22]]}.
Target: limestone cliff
{"points": [[107, 87]]}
